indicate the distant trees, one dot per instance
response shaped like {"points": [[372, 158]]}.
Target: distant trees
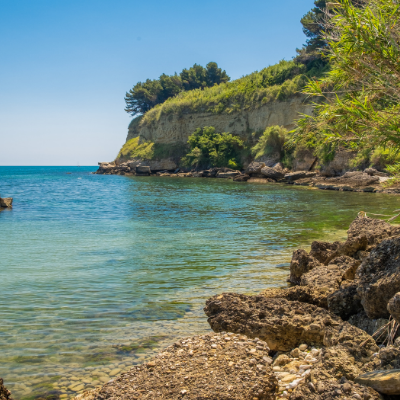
{"points": [[145, 95]]}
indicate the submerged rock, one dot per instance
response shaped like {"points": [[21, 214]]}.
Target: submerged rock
{"points": [[213, 366], [6, 202]]}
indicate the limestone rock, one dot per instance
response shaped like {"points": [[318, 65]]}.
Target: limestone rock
{"points": [[241, 178], [255, 168], [345, 301], [387, 382], [379, 277], [294, 176], [143, 170], [281, 323], [301, 263], [324, 251], [394, 307], [5, 394], [360, 320], [213, 366], [6, 202], [272, 173], [389, 357], [302, 294], [227, 174], [375, 230], [324, 277]]}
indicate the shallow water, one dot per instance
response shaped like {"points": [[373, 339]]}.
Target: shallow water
{"points": [[99, 272]]}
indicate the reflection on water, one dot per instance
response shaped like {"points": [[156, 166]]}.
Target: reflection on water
{"points": [[99, 272]]}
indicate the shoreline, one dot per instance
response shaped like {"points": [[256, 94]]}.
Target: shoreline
{"points": [[367, 181]]}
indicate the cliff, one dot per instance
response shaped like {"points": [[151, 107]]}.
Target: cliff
{"points": [[172, 128]]}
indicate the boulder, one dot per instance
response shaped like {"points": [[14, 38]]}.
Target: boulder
{"points": [[375, 230], [303, 294], [228, 174], [386, 382], [255, 168], [210, 173], [272, 173], [326, 278], [345, 301], [324, 251], [294, 176], [389, 357], [6, 202], [360, 320], [347, 265], [394, 307], [301, 263], [213, 366], [379, 277], [241, 178], [143, 170]]}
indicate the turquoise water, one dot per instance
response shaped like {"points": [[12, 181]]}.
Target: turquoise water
{"points": [[99, 272]]}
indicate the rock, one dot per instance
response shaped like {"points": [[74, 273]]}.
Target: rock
{"points": [[301, 263], [394, 307], [389, 357], [347, 265], [143, 170], [228, 174], [386, 382], [333, 390], [294, 176], [197, 371], [303, 294], [379, 277], [5, 394], [254, 168], [360, 320], [272, 173], [375, 172], [326, 278], [345, 301], [241, 178], [375, 230], [197, 174], [155, 165], [281, 323], [278, 167], [324, 251], [6, 202], [210, 173]]}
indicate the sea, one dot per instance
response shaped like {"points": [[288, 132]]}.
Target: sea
{"points": [[100, 272]]}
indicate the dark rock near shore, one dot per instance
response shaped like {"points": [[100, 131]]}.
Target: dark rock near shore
{"points": [[272, 173], [345, 301], [254, 168], [324, 251], [5, 394], [241, 178], [379, 277], [213, 366]]}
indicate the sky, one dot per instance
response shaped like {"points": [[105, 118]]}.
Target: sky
{"points": [[65, 66]]}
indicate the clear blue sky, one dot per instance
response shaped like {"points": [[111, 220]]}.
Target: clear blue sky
{"points": [[65, 65]]}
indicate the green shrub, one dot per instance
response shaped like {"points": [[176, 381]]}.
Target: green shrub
{"points": [[133, 149], [270, 142], [211, 149], [382, 158]]}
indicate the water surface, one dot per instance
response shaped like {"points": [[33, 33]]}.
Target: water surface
{"points": [[99, 272]]}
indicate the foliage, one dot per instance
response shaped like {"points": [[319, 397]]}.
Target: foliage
{"points": [[145, 95], [211, 149], [270, 142], [275, 83], [134, 149], [361, 92]]}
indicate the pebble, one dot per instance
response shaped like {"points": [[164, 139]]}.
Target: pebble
{"points": [[303, 347]]}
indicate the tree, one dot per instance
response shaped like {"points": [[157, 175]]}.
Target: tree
{"points": [[360, 96], [144, 96], [211, 149]]}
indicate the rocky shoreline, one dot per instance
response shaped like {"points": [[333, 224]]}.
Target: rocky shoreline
{"points": [[332, 334], [370, 180]]}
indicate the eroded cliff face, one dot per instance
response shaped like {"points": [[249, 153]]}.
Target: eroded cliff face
{"points": [[171, 129]]}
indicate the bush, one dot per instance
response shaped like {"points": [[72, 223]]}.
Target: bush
{"points": [[211, 149], [270, 142], [133, 149]]}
